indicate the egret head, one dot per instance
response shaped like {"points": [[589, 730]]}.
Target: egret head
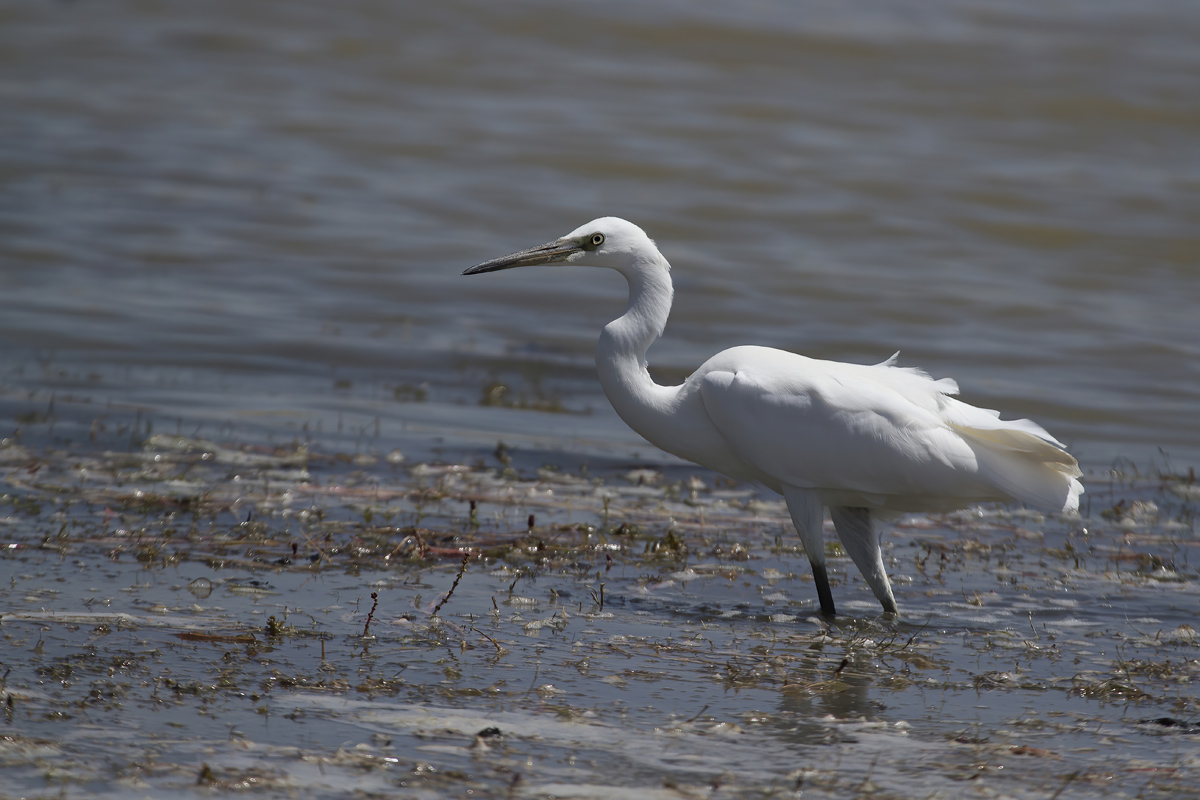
{"points": [[604, 242]]}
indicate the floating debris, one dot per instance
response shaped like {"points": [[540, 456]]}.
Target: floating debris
{"points": [[311, 623]]}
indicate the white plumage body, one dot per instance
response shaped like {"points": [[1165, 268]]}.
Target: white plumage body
{"points": [[862, 440], [889, 437]]}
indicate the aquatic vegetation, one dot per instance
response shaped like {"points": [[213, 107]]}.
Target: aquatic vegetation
{"points": [[265, 605]]}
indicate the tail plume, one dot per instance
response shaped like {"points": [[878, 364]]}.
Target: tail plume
{"points": [[1026, 466]]}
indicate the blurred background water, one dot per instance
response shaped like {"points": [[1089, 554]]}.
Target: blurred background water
{"points": [[229, 211]]}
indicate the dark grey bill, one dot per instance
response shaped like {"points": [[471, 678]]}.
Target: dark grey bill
{"points": [[548, 253]]}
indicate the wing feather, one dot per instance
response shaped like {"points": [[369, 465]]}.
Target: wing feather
{"points": [[889, 436]]}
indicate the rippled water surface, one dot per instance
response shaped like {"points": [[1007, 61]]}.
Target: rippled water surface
{"points": [[189, 618], [236, 348], [220, 208]]}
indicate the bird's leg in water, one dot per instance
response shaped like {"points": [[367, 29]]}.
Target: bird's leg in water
{"points": [[858, 538], [808, 515], [765, 412], [821, 578]]}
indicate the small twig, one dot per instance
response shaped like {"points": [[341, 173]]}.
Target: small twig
{"points": [[462, 568], [370, 614], [495, 644], [422, 547], [919, 631], [598, 598], [1066, 783]]}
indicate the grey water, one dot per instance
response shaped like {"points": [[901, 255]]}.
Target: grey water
{"points": [[226, 211], [247, 221]]}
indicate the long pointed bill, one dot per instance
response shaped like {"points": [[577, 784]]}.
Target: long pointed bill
{"points": [[549, 253]]}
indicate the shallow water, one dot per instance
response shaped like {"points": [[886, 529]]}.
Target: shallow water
{"points": [[192, 616], [232, 321]]}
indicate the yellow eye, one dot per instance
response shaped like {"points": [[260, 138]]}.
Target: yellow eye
{"points": [[597, 239]]}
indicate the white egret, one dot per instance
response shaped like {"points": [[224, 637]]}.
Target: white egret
{"points": [[864, 441]]}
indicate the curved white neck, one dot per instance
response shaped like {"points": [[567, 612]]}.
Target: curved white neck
{"points": [[621, 351]]}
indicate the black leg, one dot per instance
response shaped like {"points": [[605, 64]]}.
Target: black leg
{"points": [[821, 578]]}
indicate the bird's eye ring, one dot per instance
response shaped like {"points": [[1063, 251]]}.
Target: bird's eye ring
{"points": [[596, 239]]}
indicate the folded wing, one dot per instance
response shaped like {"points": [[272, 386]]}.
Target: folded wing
{"points": [[881, 436]]}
